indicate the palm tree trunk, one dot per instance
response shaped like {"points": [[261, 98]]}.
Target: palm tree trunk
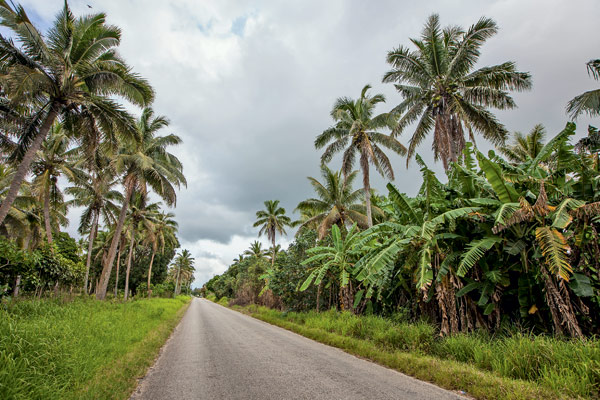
{"points": [[23, 168], [177, 280], [367, 189], [107, 268], [117, 276], [273, 258], [47, 214], [150, 272], [90, 247], [129, 257]]}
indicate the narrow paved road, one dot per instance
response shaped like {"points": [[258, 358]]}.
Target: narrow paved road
{"points": [[217, 353]]}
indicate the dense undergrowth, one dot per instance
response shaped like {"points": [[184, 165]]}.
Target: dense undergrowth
{"points": [[512, 365], [83, 349]]}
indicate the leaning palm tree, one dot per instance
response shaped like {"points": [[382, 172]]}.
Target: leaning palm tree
{"points": [[443, 92], [53, 160], [587, 102], [272, 221], [74, 69], [357, 131], [337, 202], [95, 192], [524, 147], [144, 163]]}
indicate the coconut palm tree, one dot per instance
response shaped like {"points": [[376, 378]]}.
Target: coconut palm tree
{"points": [[53, 160], [254, 251], [272, 220], [140, 219], [357, 131], [587, 102], [144, 163], [524, 147], [443, 92], [182, 270], [165, 228], [95, 192], [71, 69], [337, 202]]}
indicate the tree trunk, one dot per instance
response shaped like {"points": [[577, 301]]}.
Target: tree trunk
{"points": [[273, 258], [367, 188], [176, 280], [16, 289], [90, 247], [23, 168], [117, 276], [47, 214], [319, 294], [150, 272], [107, 268], [129, 257]]}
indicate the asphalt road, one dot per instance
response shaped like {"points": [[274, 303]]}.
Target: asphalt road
{"points": [[217, 353]]}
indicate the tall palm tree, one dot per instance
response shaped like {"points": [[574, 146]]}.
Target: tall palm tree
{"points": [[72, 69], [144, 163], [272, 221], [442, 91], [164, 229], [523, 147], [95, 192], [357, 131], [337, 202], [53, 160], [587, 102]]}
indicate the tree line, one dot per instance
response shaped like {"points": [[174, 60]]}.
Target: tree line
{"points": [[67, 141], [508, 238]]}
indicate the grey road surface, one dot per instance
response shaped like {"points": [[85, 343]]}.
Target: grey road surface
{"points": [[217, 353]]}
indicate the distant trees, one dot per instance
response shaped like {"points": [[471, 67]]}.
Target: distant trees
{"points": [[272, 221]]}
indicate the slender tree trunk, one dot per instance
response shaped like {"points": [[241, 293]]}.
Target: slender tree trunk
{"points": [[367, 189], [117, 276], [23, 168], [107, 268], [150, 272], [273, 258], [129, 257], [16, 289], [319, 294], [177, 280], [90, 247], [47, 214]]}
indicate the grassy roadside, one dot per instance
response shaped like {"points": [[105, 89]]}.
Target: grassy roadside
{"points": [[81, 350], [519, 367]]}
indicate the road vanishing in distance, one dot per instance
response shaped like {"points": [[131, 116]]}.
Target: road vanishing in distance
{"points": [[218, 353]]}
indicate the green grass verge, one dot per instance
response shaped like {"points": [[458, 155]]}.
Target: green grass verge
{"points": [[514, 367], [85, 349]]}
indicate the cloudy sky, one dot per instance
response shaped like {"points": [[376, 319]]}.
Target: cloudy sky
{"points": [[249, 84]]}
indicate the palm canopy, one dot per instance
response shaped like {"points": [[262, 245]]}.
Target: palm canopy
{"points": [[72, 71], [442, 90], [525, 147], [357, 131], [272, 220], [337, 202], [254, 251], [587, 102]]}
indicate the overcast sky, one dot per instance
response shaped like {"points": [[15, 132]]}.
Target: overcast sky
{"points": [[249, 84]]}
